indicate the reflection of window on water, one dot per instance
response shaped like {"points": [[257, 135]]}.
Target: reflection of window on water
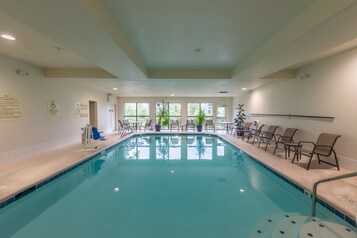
{"points": [[239, 159], [175, 141], [175, 153], [220, 150]]}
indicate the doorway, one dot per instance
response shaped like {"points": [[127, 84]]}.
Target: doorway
{"points": [[113, 117], [93, 113]]}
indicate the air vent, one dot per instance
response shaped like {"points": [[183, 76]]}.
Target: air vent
{"points": [[223, 92]]}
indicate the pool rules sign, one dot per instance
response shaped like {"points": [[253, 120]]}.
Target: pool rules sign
{"points": [[10, 108], [81, 110]]}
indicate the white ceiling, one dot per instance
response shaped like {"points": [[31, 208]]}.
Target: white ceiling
{"points": [[185, 48]]}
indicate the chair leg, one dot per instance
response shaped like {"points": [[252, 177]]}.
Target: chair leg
{"points": [[266, 146], [334, 153], [308, 165], [276, 146], [318, 158]]}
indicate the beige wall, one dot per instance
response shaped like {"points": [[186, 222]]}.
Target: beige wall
{"points": [[152, 100], [37, 130], [331, 90]]}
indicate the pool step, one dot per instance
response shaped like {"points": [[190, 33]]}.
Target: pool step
{"points": [[266, 226], [325, 229], [293, 225]]}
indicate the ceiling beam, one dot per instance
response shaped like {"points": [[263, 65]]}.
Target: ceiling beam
{"points": [[77, 73]]}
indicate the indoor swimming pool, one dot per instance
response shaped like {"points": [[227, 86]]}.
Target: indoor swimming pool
{"points": [[156, 186]]}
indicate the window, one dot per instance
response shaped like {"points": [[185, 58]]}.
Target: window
{"points": [[221, 116], [136, 111], [193, 108], [174, 111]]}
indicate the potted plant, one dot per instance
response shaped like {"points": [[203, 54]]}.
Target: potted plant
{"points": [[200, 119], [240, 118], [162, 116]]}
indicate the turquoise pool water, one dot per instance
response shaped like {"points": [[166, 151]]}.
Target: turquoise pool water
{"points": [[157, 186]]}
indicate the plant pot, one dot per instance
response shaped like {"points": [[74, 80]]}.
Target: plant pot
{"points": [[199, 128], [157, 127]]}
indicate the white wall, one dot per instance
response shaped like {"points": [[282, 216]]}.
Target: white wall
{"points": [[331, 90], [38, 131], [183, 100]]}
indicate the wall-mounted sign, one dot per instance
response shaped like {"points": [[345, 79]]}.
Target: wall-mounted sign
{"points": [[53, 108], [221, 101], [81, 110], [10, 108]]}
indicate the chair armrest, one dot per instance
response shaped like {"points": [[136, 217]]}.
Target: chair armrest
{"points": [[305, 142]]}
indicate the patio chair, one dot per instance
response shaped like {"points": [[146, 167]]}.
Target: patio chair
{"points": [[190, 124], [148, 124], [287, 137], [242, 131], [127, 125], [254, 133], [267, 136], [210, 124], [175, 124], [124, 127], [323, 146]]}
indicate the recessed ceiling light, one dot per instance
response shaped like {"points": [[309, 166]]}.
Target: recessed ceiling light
{"points": [[115, 89], [172, 95], [223, 92], [244, 89], [8, 37]]}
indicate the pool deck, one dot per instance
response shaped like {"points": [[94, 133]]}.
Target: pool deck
{"points": [[19, 175]]}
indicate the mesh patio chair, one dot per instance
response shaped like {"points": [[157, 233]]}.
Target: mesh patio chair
{"points": [[323, 146], [287, 137], [148, 124], [242, 131], [174, 124], [190, 124], [267, 136], [255, 133], [210, 124]]}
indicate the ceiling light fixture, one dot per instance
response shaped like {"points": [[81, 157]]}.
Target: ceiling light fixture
{"points": [[244, 89], [8, 37], [115, 89], [172, 95]]}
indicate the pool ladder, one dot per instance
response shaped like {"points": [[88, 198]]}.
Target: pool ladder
{"points": [[314, 189]]}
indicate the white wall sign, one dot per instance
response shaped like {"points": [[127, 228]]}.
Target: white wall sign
{"points": [[53, 108], [10, 108], [81, 110]]}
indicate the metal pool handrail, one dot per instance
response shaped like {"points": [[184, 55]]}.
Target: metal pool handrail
{"points": [[314, 189]]}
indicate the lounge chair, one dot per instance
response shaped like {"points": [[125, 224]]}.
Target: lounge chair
{"points": [[175, 124], [267, 136], [287, 137], [148, 124], [323, 146], [210, 124], [242, 131], [96, 134], [190, 124], [255, 133]]}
